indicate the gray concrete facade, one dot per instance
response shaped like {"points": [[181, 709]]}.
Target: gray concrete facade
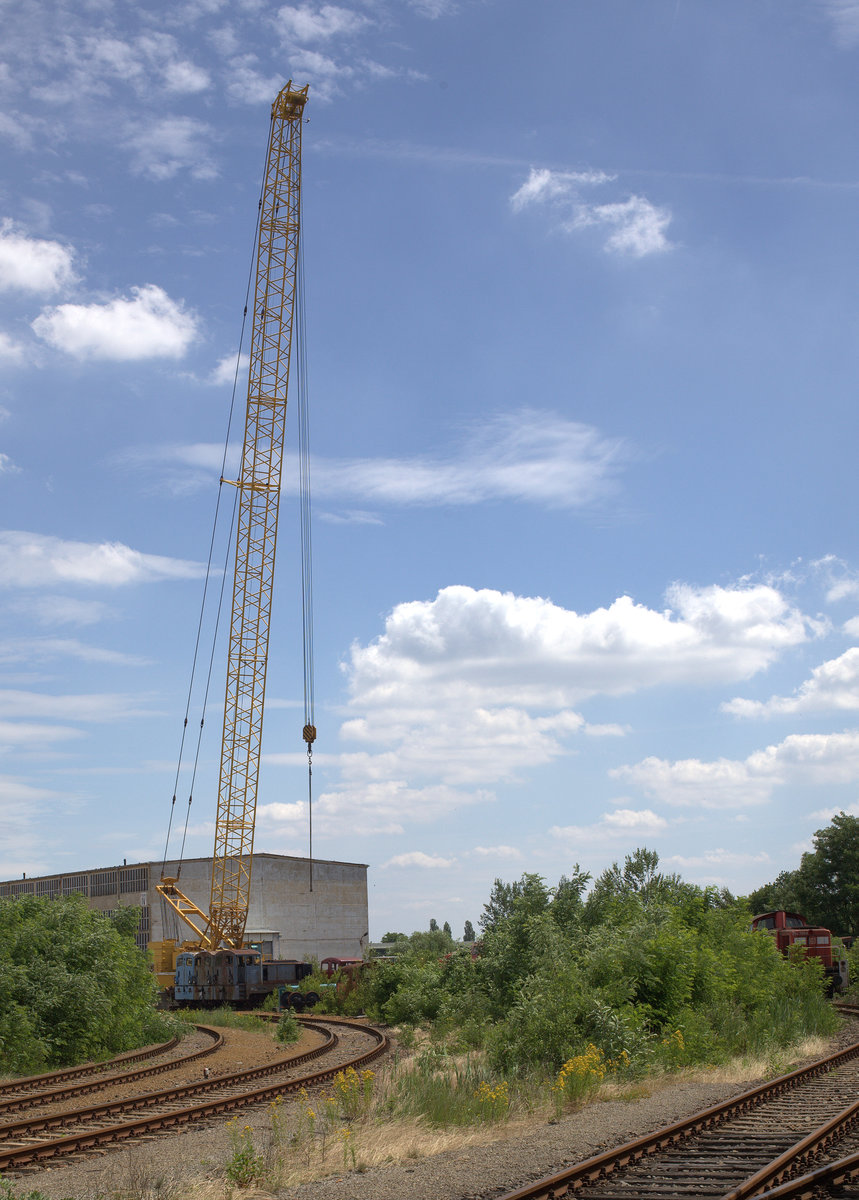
{"points": [[298, 908]]}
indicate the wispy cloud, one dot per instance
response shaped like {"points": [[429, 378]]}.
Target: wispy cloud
{"points": [[634, 226], [844, 15], [528, 456], [34, 560]]}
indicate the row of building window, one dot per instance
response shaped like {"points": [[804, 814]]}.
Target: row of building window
{"points": [[99, 883]]}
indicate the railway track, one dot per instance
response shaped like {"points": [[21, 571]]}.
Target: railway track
{"points": [[749, 1146], [58, 1130], [34, 1090]]}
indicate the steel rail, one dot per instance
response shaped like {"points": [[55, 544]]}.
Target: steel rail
{"points": [[572, 1179], [32, 1153], [90, 1068], [94, 1083]]}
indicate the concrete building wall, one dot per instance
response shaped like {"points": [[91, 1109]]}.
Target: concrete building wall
{"points": [[293, 913]]}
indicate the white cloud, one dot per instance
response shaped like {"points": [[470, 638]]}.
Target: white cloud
{"points": [[304, 24], [25, 735], [637, 226], [185, 78], [459, 692], [833, 686], [38, 560], [104, 706], [64, 610], [417, 858], [715, 858], [322, 73], [808, 759], [224, 372], [530, 456], [30, 650], [149, 325], [543, 185], [248, 85], [170, 145], [844, 15], [10, 351], [851, 627], [7, 467], [622, 823], [33, 264], [496, 852], [526, 456]]}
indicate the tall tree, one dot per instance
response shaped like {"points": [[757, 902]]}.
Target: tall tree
{"points": [[433, 925], [468, 932]]}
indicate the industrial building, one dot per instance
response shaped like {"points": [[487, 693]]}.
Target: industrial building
{"points": [[299, 908]]}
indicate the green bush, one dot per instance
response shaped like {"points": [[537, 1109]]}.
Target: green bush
{"points": [[73, 984]]}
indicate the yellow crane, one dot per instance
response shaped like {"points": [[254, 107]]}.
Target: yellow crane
{"points": [[258, 487]]}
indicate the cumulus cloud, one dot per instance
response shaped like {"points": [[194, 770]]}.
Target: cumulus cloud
{"points": [[833, 686], [809, 759], [39, 560], [622, 823], [30, 264], [496, 852], [147, 325], [417, 858], [634, 226], [460, 691]]}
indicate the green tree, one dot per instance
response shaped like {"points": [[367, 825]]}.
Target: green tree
{"points": [[829, 876], [394, 937], [468, 932], [73, 984], [433, 925], [446, 928]]}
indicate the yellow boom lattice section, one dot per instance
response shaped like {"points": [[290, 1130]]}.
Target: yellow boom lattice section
{"points": [[259, 492]]}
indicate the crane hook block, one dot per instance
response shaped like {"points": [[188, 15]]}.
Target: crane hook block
{"points": [[309, 733]]}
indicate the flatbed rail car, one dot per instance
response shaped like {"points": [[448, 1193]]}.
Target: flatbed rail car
{"points": [[791, 929], [210, 978]]}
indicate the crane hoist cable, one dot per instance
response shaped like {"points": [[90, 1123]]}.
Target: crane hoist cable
{"points": [[309, 730]]}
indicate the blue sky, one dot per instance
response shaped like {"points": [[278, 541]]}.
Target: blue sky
{"points": [[582, 346]]}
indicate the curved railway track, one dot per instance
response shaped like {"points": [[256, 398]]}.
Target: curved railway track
{"points": [[749, 1146], [33, 1090], [57, 1130]]}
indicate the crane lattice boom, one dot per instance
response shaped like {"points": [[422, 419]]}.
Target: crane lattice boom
{"points": [[259, 485]]}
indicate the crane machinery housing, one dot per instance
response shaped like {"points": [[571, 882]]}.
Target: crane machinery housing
{"points": [[214, 965]]}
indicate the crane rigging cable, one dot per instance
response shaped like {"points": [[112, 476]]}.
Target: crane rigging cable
{"points": [[309, 731], [274, 335], [208, 575]]}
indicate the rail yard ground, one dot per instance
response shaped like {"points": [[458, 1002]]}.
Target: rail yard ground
{"points": [[393, 1159]]}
